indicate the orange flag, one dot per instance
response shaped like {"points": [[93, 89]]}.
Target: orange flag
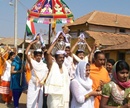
{"points": [[28, 72], [3, 63]]}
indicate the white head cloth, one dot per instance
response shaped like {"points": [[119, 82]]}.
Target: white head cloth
{"points": [[29, 53], [67, 44], [68, 35], [60, 52], [38, 50], [80, 75], [20, 51], [41, 39], [57, 35], [81, 50], [97, 50], [82, 36]]}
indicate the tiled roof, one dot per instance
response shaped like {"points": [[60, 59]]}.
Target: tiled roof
{"points": [[81, 20], [10, 41], [124, 46], [109, 38], [103, 18]]}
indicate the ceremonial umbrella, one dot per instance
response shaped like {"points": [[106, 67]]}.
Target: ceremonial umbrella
{"points": [[50, 12]]}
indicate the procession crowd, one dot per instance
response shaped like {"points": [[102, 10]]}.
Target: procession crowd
{"points": [[63, 76]]}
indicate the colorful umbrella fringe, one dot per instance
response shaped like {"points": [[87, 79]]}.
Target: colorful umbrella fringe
{"points": [[51, 11]]}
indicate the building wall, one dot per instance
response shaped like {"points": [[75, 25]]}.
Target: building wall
{"points": [[90, 41], [127, 31], [101, 28], [97, 28], [114, 55], [127, 58], [76, 30]]}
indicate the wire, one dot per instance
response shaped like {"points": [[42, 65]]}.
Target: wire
{"points": [[25, 7]]}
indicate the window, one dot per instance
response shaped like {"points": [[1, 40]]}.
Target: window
{"points": [[73, 34], [121, 56], [122, 30], [107, 55]]}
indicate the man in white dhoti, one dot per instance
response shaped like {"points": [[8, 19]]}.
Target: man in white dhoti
{"points": [[39, 72], [58, 82]]}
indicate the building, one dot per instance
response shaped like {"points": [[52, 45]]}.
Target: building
{"points": [[111, 30], [9, 41]]}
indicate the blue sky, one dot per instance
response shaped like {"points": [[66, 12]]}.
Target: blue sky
{"points": [[78, 7]]}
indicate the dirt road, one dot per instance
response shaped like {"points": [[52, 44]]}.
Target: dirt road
{"points": [[22, 102]]}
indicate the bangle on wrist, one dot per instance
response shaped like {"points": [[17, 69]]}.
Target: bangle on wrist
{"points": [[98, 93], [15, 71], [87, 96]]}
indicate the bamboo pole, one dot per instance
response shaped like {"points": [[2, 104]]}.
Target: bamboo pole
{"points": [[23, 57]]}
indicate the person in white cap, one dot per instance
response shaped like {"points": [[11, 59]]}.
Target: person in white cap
{"points": [[79, 55], [80, 52], [39, 73], [58, 82]]}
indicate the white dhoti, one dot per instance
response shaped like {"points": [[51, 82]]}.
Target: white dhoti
{"points": [[34, 96], [35, 92], [57, 87], [53, 101]]}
